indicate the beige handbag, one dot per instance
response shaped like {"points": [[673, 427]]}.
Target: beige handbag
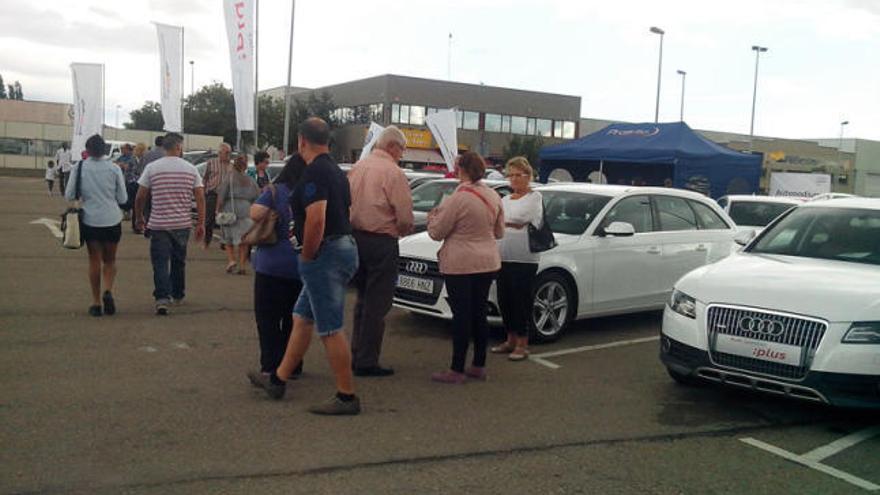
{"points": [[263, 231], [71, 219]]}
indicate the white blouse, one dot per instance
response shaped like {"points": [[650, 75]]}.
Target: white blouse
{"points": [[514, 246]]}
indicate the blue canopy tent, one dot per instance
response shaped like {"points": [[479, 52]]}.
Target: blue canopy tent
{"points": [[652, 154]]}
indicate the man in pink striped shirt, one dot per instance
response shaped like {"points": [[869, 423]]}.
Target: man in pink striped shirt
{"points": [[172, 183]]}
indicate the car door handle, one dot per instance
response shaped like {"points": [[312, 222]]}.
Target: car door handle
{"points": [[702, 248], [653, 250]]}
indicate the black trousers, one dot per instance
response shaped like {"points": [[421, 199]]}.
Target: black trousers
{"points": [[375, 281], [210, 216], [468, 295], [515, 284], [274, 298]]}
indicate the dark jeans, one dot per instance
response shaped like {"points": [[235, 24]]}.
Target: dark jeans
{"points": [[375, 281], [168, 247], [210, 216], [131, 189], [515, 284], [468, 295], [274, 298], [64, 176]]}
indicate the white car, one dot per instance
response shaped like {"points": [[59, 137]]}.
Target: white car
{"points": [[795, 313], [620, 250], [826, 196], [755, 212]]}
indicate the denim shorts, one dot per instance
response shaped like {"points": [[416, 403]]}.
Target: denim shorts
{"points": [[325, 279]]}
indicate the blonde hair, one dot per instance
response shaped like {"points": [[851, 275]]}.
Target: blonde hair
{"points": [[391, 134], [140, 148], [520, 163]]}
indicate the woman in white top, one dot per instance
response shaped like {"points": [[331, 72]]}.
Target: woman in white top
{"points": [[518, 264]]}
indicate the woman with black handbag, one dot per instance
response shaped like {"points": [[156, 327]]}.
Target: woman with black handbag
{"points": [[100, 186], [519, 264]]}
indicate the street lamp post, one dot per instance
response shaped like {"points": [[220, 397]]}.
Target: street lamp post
{"points": [[840, 141], [683, 75], [120, 106], [656, 30], [758, 51], [192, 77]]}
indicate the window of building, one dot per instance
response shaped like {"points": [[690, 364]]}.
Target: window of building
{"points": [[518, 125], [505, 123], [558, 128], [470, 120], [493, 122], [395, 113], [544, 127], [568, 131], [530, 127], [416, 115], [377, 113], [430, 110], [400, 114]]}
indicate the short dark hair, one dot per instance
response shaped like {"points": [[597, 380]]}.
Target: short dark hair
{"points": [[260, 156], [158, 140], [314, 130], [95, 146], [171, 140], [473, 165], [292, 171]]}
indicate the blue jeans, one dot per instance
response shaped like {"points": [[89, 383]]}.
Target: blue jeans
{"points": [[168, 247], [324, 279]]}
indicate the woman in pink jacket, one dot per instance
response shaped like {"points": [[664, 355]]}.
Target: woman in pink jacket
{"points": [[468, 222]]}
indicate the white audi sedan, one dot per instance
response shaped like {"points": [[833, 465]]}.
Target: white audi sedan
{"points": [[755, 212], [795, 313], [620, 250]]}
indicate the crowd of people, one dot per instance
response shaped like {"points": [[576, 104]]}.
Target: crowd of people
{"points": [[328, 230]]}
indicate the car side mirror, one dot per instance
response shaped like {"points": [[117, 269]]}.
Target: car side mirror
{"points": [[619, 229], [745, 237]]}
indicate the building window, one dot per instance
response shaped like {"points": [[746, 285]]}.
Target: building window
{"points": [[530, 127], [505, 123], [493, 122], [377, 113], [568, 131], [470, 121], [518, 125], [557, 128], [545, 127], [395, 113], [402, 114], [416, 115], [430, 110]]}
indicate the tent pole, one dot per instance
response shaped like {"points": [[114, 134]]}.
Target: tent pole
{"points": [[601, 172]]}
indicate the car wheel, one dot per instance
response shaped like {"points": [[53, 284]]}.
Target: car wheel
{"points": [[681, 378], [552, 304]]}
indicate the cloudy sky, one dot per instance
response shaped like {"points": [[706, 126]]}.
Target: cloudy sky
{"points": [[822, 68]]}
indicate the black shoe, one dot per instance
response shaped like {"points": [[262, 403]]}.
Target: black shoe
{"points": [[337, 407], [297, 372], [373, 371], [264, 381], [162, 309], [95, 311], [109, 304]]}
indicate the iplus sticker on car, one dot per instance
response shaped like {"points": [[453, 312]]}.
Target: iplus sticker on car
{"points": [[758, 349]]}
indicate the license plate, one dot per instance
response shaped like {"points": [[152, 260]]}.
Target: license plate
{"points": [[417, 284], [758, 349]]}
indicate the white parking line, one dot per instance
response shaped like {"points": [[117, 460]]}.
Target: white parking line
{"points": [[54, 226], [542, 357], [820, 453]]}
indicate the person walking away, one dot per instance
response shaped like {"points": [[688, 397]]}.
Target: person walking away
{"points": [[51, 173], [276, 277], [260, 172], [64, 161], [468, 222], [216, 171], [328, 259], [516, 280], [101, 191], [123, 161], [156, 152], [381, 212], [235, 195], [173, 184], [133, 172]]}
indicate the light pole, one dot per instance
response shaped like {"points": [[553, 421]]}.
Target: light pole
{"points": [[120, 106], [840, 142], [287, 88], [656, 30], [683, 75], [192, 77], [758, 51]]}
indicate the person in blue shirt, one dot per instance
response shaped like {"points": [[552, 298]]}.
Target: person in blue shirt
{"points": [[100, 186]]}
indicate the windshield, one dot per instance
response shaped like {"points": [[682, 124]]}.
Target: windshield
{"points": [[427, 196], [756, 213], [828, 233], [571, 212]]}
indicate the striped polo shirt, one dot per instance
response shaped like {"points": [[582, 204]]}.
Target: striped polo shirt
{"points": [[171, 181]]}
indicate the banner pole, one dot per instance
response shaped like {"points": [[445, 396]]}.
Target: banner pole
{"points": [[287, 88], [256, 74], [182, 106]]}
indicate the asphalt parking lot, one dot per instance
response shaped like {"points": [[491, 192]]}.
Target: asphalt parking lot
{"points": [[140, 404]]}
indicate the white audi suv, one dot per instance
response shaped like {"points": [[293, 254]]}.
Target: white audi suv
{"points": [[795, 313], [755, 212], [620, 250]]}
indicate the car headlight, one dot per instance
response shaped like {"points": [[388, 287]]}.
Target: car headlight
{"points": [[683, 304], [863, 332]]}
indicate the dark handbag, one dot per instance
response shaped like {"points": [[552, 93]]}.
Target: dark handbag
{"points": [[264, 232], [71, 219], [541, 239]]}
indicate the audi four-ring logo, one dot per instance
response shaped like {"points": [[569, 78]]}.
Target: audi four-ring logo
{"points": [[417, 267], [761, 325]]}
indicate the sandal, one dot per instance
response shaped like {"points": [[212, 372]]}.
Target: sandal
{"points": [[504, 348], [518, 354], [242, 271], [231, 267]]}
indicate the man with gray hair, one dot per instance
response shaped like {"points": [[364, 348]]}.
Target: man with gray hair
{"points": [[216, 171], [381, 212]]}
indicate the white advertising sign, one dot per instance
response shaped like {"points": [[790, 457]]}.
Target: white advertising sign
{"points": [[88, 105], [171, 74], [795, 185], [443, 127], [371, 138], [758, 349], [239, 16]]}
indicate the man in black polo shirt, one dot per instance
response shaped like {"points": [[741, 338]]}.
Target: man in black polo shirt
{"points": [[327, 262]]}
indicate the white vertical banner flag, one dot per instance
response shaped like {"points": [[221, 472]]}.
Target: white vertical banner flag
{"points": [[171, 74], [370, 140], [443, 127], [88, 105], [240, 31]]}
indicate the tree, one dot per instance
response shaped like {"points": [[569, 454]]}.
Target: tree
{"points": [[2, 89], [146, 118], [211, 110], [18, 94], [524, 146]]}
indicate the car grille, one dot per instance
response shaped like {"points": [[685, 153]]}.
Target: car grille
{"points": [[805, 333], [433, 273]]}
